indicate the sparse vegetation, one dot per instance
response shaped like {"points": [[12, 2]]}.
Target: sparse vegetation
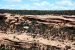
{"points": [[34, 28]]}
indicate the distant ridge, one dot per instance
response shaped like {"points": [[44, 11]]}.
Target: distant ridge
{"points": [[38, 12]]}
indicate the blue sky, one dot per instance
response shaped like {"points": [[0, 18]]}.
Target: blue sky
{"points": [[38, 4]]}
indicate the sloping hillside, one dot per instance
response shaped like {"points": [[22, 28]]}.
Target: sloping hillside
{"points": [[24, 31]]}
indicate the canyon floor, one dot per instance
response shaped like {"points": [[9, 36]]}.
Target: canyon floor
{"points": [[24, 38]]}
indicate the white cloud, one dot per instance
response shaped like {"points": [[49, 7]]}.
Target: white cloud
{"points": [[62, 5], [43, 5], [7, 7], [66, 3]]}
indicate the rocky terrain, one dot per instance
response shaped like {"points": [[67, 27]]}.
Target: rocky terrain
{"points": [[37, 32]]}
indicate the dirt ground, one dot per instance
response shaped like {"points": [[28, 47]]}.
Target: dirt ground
{"points": [[29, 39]]}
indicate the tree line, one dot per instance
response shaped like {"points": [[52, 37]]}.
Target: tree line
{"points": [[38, 12]]}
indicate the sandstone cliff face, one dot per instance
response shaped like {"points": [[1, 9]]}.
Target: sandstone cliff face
{"points": [[52, 29], [65, 19]]}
